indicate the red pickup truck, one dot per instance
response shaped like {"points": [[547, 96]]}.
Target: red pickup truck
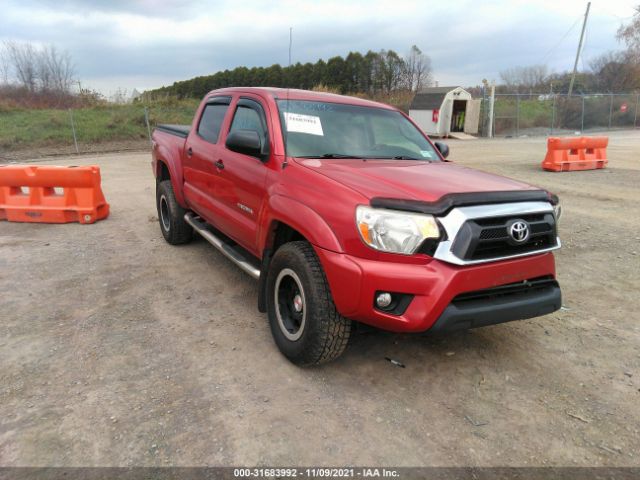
{"points": [[346, 212]]}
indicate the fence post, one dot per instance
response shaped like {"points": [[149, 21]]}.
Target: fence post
{"points": [[553, 114], [517, 115], [610, 110], [635, 116], [582, 116], [73, 130], [491, 106], [146, 120], [483, 109]]}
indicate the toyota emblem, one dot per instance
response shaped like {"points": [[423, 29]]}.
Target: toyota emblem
{"points": [[519, 231]]}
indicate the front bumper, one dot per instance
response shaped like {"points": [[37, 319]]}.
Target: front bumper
{"points": [[434, 286], [490, 308]]}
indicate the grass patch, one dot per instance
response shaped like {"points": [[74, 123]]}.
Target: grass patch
{"points": [[21, 129]]}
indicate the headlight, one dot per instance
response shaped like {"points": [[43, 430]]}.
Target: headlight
{"points": [[393, 231], [557, 211]]}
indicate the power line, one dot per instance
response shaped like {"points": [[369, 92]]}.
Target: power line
{"points": [[619, 17], [555, 47]]}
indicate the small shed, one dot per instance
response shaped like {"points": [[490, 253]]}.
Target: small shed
{"points": [[445, 111]]}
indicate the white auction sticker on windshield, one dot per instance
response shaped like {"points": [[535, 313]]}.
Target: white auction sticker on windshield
{"points": [[297, 122], [426, 153]]}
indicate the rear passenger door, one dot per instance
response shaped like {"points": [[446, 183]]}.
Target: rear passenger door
{"points": [[242, 180], [202, 151]]}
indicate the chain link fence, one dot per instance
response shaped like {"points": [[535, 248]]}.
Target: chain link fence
{"points": [[28, 134], [535, 114]]}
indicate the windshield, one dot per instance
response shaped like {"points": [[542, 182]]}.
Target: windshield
{"points": [[335, 130]]}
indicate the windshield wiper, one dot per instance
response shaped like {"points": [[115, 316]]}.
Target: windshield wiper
{"points": [[332, 155]]}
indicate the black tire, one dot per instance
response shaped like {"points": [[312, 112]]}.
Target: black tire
{"points": [[171, 215], [316, 333]]}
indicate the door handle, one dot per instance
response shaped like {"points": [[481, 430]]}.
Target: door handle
{"points": [[189, 152], [220, 165]]}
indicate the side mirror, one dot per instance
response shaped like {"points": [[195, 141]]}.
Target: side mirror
{"points": [[245, 141], [443, 148]]}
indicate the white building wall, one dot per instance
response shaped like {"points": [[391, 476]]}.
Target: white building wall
{"points": [[424, 119], [446, 108]]}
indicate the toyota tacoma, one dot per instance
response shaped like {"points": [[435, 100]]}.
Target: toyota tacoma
{"points": [[345, 212]]}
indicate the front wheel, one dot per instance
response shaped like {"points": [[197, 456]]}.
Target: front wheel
{"points": [[304, 321]]}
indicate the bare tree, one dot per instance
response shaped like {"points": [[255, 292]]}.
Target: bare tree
{"points": [[5, 69], [615, 72], [45, 75], [410, 67], [56, 69], [417, 70], [23, 58], [392, 68], [526, 78], [630, 34], [37, 69]]}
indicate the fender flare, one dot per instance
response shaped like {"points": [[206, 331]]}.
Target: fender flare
{"points": [[284, 209], [302, 218], [175, 173]]}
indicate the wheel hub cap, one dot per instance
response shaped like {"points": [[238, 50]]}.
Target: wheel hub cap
{"points": [[164, 214], [297, 303], [290, 302]]}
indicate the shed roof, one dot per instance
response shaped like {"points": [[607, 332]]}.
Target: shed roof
{"points": [[430, 98]]}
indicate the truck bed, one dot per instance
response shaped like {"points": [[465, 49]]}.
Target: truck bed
{"points": [[178, 130]]}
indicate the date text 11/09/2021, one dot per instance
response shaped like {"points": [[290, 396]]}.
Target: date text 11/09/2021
{"points": [[315, 473]]}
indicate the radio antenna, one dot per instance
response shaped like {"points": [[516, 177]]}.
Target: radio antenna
{"points": [[290, 43], [286, 128]]}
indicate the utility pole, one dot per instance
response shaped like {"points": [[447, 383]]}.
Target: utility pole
{"points": [[575, 65]]}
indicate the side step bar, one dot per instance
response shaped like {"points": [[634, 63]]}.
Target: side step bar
{"points": [[227, 250]]}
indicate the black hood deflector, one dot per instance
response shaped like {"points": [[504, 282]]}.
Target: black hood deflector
{"points": [[445, 203]]}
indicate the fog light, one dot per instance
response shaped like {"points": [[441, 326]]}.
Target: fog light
{"points": [[383, 300]]}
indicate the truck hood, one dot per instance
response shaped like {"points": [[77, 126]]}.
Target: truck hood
{"points": [[409, 179]]}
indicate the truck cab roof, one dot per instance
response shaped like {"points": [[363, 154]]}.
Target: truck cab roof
{"points": [[296, 94]]}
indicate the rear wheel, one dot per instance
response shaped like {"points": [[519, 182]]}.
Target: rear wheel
{"points": [[174, 228], [304, 321]]}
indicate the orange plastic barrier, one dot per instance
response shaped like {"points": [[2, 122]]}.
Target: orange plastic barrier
{"points": [[49, 194], [575, 153]]}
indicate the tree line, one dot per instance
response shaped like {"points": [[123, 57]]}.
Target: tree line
{"points": [[371, 73]]}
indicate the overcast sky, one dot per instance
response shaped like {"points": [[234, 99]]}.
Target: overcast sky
{"points": [[149, 43]]}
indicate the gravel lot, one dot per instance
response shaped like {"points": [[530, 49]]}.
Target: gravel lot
{"points": [[118, 349]]}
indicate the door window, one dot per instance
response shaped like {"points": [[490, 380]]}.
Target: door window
{"points": [[211, 121], [249, 116]]}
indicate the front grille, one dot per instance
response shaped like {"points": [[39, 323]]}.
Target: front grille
{"points": [[526, 287], [493, 221], [493, 233], [488, 238]]}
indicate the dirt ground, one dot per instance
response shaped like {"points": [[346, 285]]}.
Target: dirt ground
{"points": [[118, 349]]}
